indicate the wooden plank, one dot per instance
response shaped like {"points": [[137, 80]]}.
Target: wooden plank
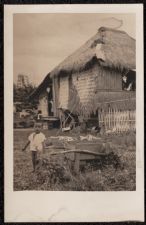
{"points": [[77, 151], [77, 162], [87, 156]]}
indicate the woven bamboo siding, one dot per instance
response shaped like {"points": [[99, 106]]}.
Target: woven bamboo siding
{"points": [[108, 79], [85, 86], [88, 83], [64, 92], [116, 121]]}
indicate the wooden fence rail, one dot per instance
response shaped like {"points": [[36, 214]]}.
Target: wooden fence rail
{"points": [[117, 121]]}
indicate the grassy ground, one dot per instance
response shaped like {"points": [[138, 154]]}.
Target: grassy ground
{"points": [[54, 175]]}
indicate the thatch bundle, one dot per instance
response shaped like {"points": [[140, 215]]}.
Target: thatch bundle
{"points": [[121, 100], [104, 100]]}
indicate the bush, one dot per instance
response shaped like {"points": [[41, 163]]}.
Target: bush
{"points": [[51, 172]]}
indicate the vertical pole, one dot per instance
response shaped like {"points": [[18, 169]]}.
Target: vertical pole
{"points": [[77, 162], [125, 118], [108, 118], [54, 96], [114, 119], [104, 114], [117, 121], [128, 120], [134, 118], [122, 122]]}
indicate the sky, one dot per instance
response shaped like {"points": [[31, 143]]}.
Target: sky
{"points": [[42, 41]]}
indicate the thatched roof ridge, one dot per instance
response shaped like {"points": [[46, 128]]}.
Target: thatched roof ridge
{"points": [[43, 85], [117, 46]]}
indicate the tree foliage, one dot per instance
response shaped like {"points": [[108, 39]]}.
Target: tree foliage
{"points": [[22, 95]]}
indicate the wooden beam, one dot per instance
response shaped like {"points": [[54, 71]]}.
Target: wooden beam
{"points": [[77, 151]]}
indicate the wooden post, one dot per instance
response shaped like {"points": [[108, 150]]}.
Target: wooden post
{"points": [[134, 118], [122, 121], [114, 126], [99, 117], [54, 96], [105, 121], [77, 162], [109, 118], [116, 120]]}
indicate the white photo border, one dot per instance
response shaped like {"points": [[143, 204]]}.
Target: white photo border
{"points": [[49, 206]]}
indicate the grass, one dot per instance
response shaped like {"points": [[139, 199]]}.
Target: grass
{"points": [[54, 174]]}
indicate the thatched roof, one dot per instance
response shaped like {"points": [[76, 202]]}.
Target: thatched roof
{"points": [[117, 46]]}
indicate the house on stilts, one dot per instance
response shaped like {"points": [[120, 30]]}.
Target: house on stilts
{"points": [[99, 79]]}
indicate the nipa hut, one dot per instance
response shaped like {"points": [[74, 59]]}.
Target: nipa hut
{"points": [[89, 82]]}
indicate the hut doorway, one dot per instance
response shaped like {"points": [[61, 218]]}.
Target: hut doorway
{"points": [[50, 101]]}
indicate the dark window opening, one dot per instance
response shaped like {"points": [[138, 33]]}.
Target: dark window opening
{"points": [[129, 81]]}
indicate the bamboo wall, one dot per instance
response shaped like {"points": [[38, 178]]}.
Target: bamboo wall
{"points": [[43, 104], [116, 121], [64, 92], [107, 79], [89, 83]]}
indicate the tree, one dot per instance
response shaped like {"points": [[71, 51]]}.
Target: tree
{"points": [[21, 94]]}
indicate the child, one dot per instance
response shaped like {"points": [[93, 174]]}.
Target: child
{"points": [[36, 142]]}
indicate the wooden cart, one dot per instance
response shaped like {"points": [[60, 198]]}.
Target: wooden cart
{"points": [[79, 157]]}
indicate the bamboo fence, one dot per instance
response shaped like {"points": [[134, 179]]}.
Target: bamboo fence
{"points": [[117, 121]]}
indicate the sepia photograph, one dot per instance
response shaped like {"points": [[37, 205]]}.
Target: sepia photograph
{"points": [[74, 104], [74, 116]]}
